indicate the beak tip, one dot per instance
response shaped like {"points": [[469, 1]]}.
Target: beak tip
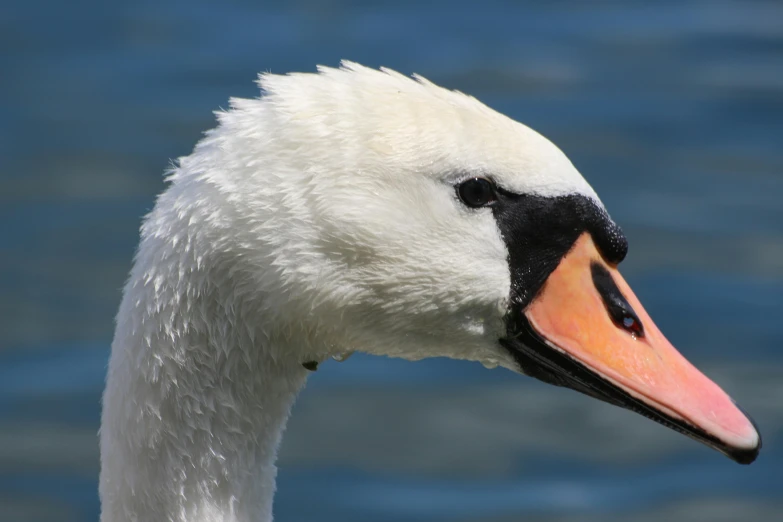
{"points": [[745, 455], [744, 444], [749, 452]]}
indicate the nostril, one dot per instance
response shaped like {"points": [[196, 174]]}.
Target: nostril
{"points": [[633, 326], [617, 306], [622, 314]]}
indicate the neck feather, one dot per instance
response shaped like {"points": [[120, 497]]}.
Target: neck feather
{"points": [[195, 404]]}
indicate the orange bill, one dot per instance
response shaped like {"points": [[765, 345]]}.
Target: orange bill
{"points": [[603, 343]]}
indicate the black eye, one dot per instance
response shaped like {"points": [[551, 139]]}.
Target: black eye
{"points": [[476, 192]]}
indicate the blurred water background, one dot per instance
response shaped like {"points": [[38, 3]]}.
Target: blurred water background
{"points": [[672, 110]]}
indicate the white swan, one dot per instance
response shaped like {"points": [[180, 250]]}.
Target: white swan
{"points": [[360, 210]]}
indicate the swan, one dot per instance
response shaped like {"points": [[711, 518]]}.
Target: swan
{"points": [[354, 209]]}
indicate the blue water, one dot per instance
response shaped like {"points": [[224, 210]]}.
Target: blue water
{"points": [[673, 111]]}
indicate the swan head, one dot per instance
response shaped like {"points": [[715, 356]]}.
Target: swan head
{"points": [[361, 210]]}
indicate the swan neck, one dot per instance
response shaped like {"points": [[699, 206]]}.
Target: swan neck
{"points": [[194, 409]]}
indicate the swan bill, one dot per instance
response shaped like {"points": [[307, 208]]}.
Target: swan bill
{"points": [[586, 330]]}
